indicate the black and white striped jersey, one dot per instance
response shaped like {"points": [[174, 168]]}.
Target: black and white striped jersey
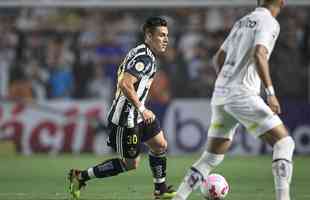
{"points": [[140, 62]]}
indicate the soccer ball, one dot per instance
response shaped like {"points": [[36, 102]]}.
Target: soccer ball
{"points": [[214, 187]]}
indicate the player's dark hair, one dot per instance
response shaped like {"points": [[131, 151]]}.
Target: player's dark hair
{"points": [[265, 2], [153, 22]]}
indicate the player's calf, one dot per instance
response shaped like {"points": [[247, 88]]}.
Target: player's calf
{"points": [[108, 168], [158, 165]]}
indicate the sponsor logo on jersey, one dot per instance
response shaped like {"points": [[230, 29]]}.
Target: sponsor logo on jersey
{"points": [[139, 66]]}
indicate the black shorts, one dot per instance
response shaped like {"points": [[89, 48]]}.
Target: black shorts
{"points": [[127, 141]]}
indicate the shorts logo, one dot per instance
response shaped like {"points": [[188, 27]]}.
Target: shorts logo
{"points": [[139, 66], [132, 151]]}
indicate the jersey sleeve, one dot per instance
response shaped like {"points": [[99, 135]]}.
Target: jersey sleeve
{"points": [[266, 33], [139, 66]]}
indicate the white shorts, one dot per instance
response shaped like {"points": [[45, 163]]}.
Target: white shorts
{"points": [[251, 111]]}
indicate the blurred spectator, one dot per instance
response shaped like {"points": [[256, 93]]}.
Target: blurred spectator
{"points": [[287, 62], [39, 80], [192, 37], [101, 85], [89, 39], [59, 60], [214, 19], [66, 44], [160, 90], [127, 26], [175, 68], [206, 79], [61, 82], [8, 45], [305, 44], [4, 77], [20, 87]]}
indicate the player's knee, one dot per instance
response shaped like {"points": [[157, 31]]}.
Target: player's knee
{"points": [[131, 164], [284, 149], [160, 147]]}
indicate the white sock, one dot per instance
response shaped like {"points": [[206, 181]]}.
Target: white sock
{"points": [[282, 172], [207, 162], [282, 167], [196, 174], [191, 181], [91, 173]]}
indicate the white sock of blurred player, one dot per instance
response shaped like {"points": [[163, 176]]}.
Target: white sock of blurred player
{"points": [[282, 167], [199, 171]]}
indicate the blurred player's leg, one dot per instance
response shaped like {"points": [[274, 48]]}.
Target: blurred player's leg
{"points": [[211, 158], [262, 122], [112, 167], [118, 140], [220, 134], [108, 168], [282, 167], [158, 165]]}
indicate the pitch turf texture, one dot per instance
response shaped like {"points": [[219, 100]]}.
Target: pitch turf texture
{"points": [[44, 178]]}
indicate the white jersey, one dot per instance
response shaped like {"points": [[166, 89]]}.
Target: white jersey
{"points": [[238, 75]]}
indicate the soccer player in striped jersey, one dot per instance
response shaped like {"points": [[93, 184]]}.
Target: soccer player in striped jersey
{"points": [[130, 122]]}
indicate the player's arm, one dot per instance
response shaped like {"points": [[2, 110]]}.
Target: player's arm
{"points": [[218, 60], [266, 33], [132, 74], [126, 84], [261, 59], [262, 64]]}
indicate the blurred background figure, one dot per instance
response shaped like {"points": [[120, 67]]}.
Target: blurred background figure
{"points": [[67, 44], [59, 63], [100, 86], [20, 85], [39, 80]]}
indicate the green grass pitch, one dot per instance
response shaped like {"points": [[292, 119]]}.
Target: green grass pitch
{"points": [[43, 177]]}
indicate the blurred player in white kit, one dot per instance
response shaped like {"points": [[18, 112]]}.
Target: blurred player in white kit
{"points": [[242, 64]]}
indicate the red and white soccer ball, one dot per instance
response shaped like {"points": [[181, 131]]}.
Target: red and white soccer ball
{"points": [[214, 187]]}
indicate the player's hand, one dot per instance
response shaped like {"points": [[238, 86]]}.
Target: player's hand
{"points": [[148, 116], [274, 104]]}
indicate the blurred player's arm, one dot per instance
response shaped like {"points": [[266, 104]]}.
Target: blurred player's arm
{"points": [[126, 85], [262, 64], [218, 60], [261, 59]]}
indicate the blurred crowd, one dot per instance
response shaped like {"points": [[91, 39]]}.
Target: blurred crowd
{"points": [[50, 53]]}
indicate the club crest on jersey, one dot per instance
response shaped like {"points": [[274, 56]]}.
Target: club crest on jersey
{"points": [[132, 152], [139, 66]]}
